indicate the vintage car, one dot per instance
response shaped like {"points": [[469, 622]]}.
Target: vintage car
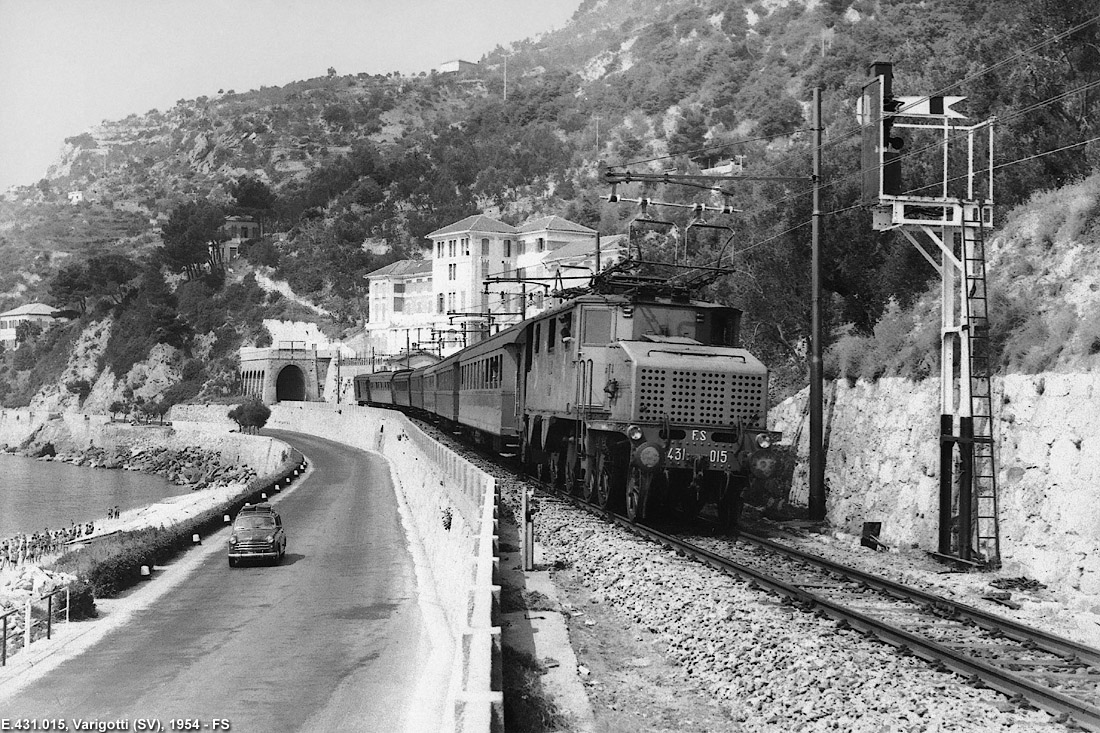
{"points": [[257, 533]]}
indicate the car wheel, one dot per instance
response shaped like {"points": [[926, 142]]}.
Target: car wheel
{"points": [[232, 562]]}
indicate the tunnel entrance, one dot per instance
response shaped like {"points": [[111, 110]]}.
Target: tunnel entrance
{"points": [[290, 384]]}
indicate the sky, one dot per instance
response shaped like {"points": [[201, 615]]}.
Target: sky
{"points": [[66, 65]]}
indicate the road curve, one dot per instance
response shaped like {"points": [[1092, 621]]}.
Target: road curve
{"points": [[330, 640]]}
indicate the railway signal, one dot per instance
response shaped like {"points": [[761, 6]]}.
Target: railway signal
{"points": [[948, 229]]}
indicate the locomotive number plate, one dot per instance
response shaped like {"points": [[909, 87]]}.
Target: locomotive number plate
{"points": [[680, 453]]}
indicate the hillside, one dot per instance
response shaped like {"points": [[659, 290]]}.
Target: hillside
{"points": [[361, 157]]}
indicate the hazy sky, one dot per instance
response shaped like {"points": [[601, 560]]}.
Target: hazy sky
{"points": [[66, 65]]}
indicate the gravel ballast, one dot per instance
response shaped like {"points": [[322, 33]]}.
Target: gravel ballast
{"points": [[772, 667]]}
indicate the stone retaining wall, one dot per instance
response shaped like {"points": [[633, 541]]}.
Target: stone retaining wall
{"points": [[452, 509], [882, 465]]}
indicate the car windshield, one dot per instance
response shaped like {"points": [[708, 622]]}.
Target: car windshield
{"points": [[254, 522]]}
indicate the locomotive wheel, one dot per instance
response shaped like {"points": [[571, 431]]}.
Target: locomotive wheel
{"points": [[591, 477], [638, 489], [606, 493]]}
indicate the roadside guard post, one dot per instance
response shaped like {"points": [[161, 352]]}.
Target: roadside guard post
{"points": [[529, 507]]}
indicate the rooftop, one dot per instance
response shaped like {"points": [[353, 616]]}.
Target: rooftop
{"points": [[554, 224], [403, 268], [475, 223], [31, 309]]}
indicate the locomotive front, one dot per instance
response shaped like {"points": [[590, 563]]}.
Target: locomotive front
{"points": [[696, 423]]}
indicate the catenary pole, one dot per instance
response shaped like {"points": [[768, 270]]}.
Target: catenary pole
{"points": [[817, 452]]}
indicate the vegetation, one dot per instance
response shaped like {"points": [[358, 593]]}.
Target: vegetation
{"points": [[658, 84], [251, 415]]}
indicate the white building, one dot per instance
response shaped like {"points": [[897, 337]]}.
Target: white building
{"points": [[455, 66], [40, 313], [464, 256], [480, 275], [401, 297]]}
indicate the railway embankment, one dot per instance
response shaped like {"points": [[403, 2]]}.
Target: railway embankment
{"points": [[882, 465]]}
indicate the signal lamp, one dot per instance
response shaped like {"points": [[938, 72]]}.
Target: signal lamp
{"points": [[634, 432]]}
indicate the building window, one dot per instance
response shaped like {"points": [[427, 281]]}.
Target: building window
{"points": [[399, 287], [451, 248], [441, 302], [485, 269], [466, 245], [542, 244], [398, 305], [521, 247], [439, 248], [507, 247], [452, 272], [484, 247]]}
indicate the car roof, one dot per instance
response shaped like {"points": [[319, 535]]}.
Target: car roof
{"points": [[261, 508]]}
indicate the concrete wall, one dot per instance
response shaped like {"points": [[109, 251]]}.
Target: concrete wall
{"points": [[452, 512], [882, 464]]}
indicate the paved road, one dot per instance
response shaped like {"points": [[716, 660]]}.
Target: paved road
{"points": [[330, 640]]}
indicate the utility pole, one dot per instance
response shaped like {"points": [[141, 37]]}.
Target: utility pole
{"points": [[817, 449]]}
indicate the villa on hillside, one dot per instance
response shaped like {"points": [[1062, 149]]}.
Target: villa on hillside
{"points": [[478, 276], [456, 66], [40, 313]]}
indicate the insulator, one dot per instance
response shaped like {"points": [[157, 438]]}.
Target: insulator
{"points": [[727, 209], [698, 209], [613, 198]]}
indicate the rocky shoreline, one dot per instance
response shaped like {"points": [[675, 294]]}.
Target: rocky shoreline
{"points": [[195, 467]]}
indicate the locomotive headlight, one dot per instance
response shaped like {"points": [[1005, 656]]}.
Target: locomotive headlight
{"points": [[763, 440], [634, 433], [648, 456]]}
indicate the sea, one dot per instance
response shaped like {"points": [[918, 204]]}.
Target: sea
{"points": [[37, 494]]}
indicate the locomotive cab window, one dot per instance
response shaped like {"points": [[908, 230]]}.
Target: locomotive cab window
{"points": [[596, 327], [551, 325]]}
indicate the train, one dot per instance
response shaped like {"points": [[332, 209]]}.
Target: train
{"points": [[640, 399]]}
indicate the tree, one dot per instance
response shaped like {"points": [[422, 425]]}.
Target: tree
{"points": [[70, 286], [79, 387], [191, 238], [253, 196], [109, 275], [691, 133], [250, 415], [116, 407], [26, 331]]}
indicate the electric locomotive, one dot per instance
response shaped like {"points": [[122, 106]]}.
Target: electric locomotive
{"points": [[638, 397]]}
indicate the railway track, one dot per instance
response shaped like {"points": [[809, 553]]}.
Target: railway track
{"points": [[1030, 666]]}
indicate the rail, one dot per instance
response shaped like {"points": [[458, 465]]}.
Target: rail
{"points": [[1039, 687]]}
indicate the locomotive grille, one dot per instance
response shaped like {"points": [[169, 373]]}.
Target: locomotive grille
{"points": [[700, 398]]}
